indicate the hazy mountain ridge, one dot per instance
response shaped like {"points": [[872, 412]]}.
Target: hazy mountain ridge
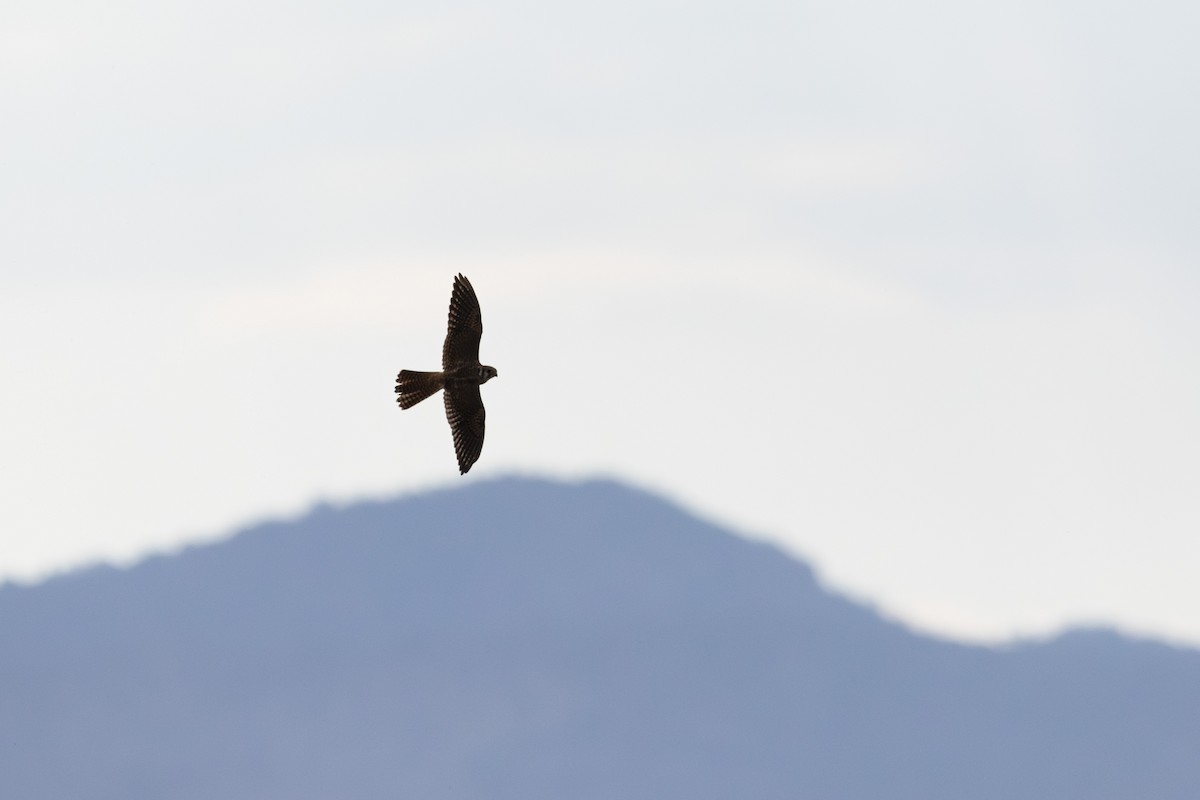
{"points": [[520, 638]]}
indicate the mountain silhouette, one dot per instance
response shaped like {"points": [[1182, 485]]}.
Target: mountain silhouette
{"points": [[524, 639]]}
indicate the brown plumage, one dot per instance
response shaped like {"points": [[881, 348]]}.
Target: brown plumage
{"points": [[461, 376]]}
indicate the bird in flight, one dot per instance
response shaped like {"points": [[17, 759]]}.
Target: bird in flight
{"points": [[461, 376]]}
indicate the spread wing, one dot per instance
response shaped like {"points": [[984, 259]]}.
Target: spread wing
{"points": [[465, 330], [464, 409]]}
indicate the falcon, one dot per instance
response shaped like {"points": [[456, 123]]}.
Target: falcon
{"points": [[461, 376]]}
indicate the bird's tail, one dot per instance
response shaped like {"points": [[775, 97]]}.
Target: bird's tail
{"points": [[413, 387]]}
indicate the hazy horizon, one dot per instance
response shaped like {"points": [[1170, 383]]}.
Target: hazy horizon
{"points": [[533, 639]]}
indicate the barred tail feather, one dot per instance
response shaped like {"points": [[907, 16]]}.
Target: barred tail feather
{"points": [[412, 387]]}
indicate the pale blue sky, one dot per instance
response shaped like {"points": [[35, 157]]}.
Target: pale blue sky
{"points": [[908, 287]]}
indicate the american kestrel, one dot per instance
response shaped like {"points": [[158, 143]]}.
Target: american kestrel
{"points": [[461, 376]]}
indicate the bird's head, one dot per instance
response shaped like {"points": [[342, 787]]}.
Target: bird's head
{"points": [[486, 373]]}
